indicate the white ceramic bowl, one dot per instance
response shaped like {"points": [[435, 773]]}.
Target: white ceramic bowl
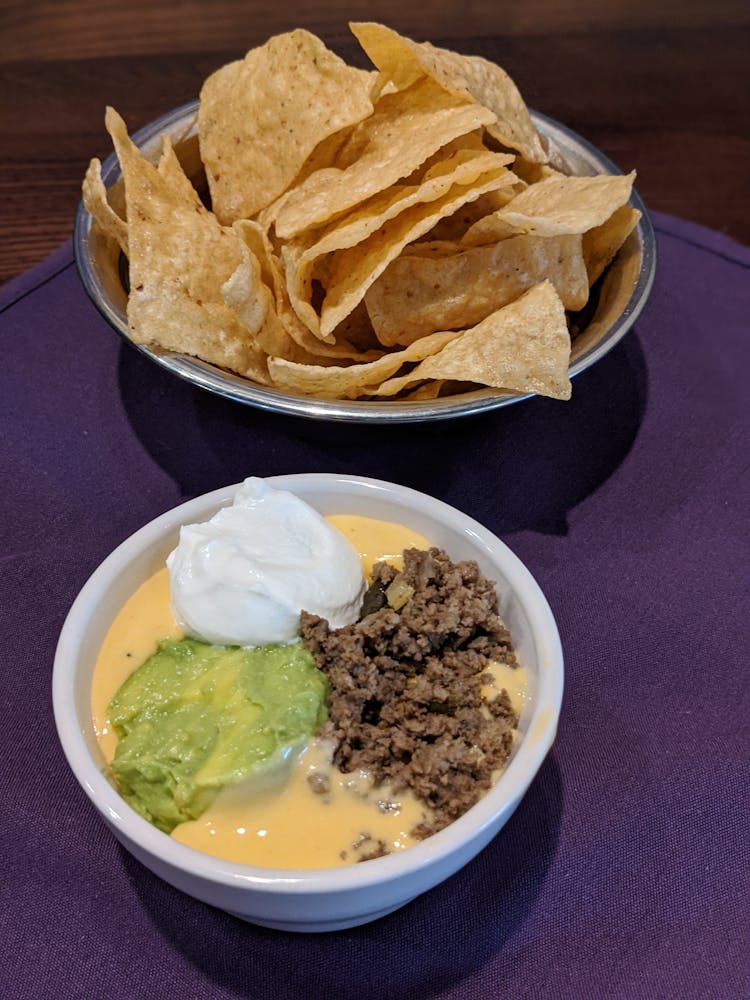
{"points": [[320, 899]]}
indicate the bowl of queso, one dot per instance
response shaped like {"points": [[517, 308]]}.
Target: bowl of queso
{"points": [[276, 700]]}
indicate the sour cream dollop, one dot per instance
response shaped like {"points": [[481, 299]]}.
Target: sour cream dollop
{"points": [[243, 577]]}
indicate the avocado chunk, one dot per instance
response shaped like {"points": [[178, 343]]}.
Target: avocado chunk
{"points": [[196, 718]]}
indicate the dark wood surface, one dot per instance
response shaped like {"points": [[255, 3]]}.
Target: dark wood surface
{"points": [[664, 88]]}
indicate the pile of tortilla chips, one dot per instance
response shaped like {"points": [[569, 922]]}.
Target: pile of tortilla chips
{"points": [[397, 233]]}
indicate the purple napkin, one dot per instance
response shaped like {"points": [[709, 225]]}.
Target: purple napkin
{"points": [[624, 873]]}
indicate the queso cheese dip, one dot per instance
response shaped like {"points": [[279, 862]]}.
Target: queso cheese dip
{"points": [[317, 817]]}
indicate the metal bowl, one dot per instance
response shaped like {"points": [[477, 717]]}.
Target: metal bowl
{"points": [[621, 294]]}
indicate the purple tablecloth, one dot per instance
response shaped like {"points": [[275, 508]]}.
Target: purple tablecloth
{"points": [[624, 873]]}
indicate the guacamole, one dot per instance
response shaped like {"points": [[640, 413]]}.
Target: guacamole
{"points": [[196, 718]]}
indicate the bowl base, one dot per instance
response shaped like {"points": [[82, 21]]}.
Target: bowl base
{"points": [[319, 926]]}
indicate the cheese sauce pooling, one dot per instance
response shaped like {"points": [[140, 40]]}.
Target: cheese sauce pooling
{"points": [[272, 827]]}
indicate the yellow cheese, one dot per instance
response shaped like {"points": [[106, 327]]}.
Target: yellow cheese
{"points": [[291, 826]]}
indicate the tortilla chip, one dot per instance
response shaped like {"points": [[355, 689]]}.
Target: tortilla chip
{"points": [[403, 61], [523, 347], [349, 273], [454, 227], [299, 345], [356, 330], [261, 117], [428, 390], [556, 206], [252, 300], [179, 258], [245, 292], [471, 142], [404, 130], [351, 382], [533, 173], [463, 167], [433, 249], [601, 244], [97, 204], [418, 295]]}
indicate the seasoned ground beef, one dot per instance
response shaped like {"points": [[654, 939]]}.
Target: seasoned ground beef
{"points": [[406, 702]]}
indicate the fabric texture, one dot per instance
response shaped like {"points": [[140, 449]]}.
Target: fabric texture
{"points": [[624, 872]]}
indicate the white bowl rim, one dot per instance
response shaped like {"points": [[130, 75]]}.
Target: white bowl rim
{"points": [[509, 788]]}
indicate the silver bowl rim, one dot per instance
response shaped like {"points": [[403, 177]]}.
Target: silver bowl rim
{"points": [[241, 390]]}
